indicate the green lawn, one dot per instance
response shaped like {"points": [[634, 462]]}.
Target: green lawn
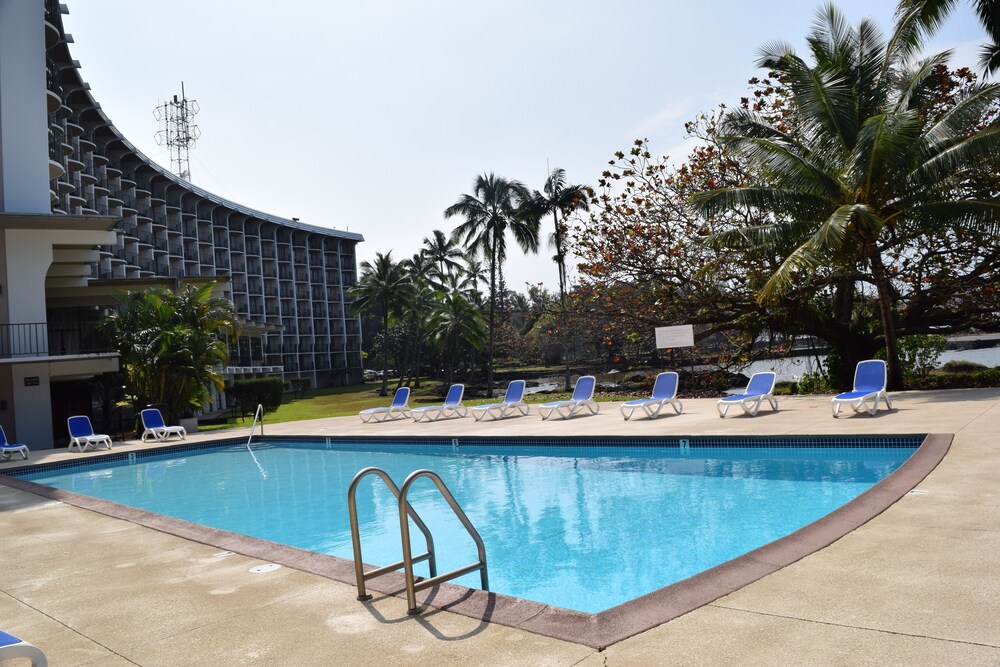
{"points": [[344, 401]]}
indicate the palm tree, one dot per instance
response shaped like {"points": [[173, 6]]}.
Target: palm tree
{"points": [[474, 273], [384, 285], [423, 295], [443, 252], [172, 346], [931, 14], [496, 206], [860, 164], [457, 324], [560, 197], [207, 320]]}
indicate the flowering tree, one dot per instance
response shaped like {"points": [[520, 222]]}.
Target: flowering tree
{"points": [[645, 263]]}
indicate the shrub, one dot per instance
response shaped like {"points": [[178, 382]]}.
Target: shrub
{"points": [[918, 355], [784, 388], [263, 391], [814, 384], [989, 377], [962, 367]]}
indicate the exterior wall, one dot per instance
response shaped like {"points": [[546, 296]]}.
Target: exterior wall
{"points": [[23, 130], [32, 406]]}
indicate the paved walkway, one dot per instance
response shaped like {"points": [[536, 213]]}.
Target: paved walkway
{"points": [[916, 585]]}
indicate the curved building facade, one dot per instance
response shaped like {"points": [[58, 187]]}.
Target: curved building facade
{"points": [[67, 172]]}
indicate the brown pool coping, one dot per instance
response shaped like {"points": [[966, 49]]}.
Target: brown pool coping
{"points": [[596, 631]]}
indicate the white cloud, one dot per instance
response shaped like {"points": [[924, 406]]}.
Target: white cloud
{"points": [[667, 119]]}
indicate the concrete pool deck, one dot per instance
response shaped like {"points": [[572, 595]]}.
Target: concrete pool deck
{"points": [[917, 584]]}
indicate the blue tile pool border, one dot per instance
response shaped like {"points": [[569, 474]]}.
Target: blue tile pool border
{"points": [[905, 441], [596, 631]]}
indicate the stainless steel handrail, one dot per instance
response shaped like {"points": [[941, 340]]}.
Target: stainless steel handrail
{"points": [[404, 528], [352, 509], [259, 413]]}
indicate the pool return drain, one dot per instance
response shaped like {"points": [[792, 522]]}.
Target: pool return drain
{"points": [[261, 569]]}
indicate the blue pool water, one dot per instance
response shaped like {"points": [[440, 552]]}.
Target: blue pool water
{"points": [[583, 528]]}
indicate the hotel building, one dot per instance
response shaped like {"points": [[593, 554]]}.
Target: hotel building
{"points": [[85, 215]]}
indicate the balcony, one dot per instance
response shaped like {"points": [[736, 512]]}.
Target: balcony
{"points": [[41, 339]]}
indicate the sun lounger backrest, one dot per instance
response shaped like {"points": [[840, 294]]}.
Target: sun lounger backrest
{"points": [[80, 425], [760, 383], [515, 392], [454, 396], [870, 375], [584, 389], [3, 437], [665, 386], [151, 418], [401, 396]]}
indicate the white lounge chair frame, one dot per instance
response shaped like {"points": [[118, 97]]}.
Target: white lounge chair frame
{"points": [[513, 401], [652, 405], [160, 432], [87, 439], [399, 409], [759, 388], [864, 399], [452, 407], [12, 648], [583, 397], [8, 448]]}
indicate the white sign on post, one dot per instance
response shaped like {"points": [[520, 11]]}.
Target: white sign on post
{"points": [[679, 336]]}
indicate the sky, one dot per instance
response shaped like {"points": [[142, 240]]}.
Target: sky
{"points": [[376, 116]]}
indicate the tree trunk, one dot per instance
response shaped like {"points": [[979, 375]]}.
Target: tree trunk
{"points": [[385, 349], [416, 362], [563, 328], [493, 302], [894, 371]]}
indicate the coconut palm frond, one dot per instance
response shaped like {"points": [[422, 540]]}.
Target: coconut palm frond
{"points": [[983, 147]]}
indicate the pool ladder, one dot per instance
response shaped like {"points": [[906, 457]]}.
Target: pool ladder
{"points": [[406, 510]]}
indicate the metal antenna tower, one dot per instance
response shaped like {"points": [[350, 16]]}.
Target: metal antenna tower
{"points": [[177, 132]]}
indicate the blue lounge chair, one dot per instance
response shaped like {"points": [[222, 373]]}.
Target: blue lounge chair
{"points": [[152, 421], [513, 401], [759, 389], [6, 448], [664, 392], [397, 410], [81, 434], [869, 386], [452, 406], [583, 397], [12, 648]]}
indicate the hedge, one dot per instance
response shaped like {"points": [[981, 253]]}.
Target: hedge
{"points": [[263, 391]]}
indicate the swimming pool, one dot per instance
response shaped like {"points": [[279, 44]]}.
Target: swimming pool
{"points": [[585, 524]]}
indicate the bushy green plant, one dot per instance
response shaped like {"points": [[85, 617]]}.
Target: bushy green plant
{"points": [[962, 367], [814, 384], [989, 377], [259, 391], [919, 355]]}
